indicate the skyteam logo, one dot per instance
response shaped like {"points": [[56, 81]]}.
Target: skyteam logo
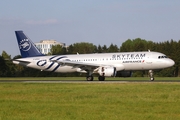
{"points": [[52, 65], [41, 62], [24, 45]]}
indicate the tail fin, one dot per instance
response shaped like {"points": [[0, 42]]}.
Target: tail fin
{"points": [[26, 46]]}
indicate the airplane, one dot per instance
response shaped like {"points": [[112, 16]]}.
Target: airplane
{"points": [[104, 64]]}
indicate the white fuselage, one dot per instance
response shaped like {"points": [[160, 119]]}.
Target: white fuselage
{"points": [[122, 61]]}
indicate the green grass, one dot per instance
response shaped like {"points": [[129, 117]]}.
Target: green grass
{"points": [[89, 101]]}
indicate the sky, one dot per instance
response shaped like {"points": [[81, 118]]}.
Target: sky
{"points": [[101, 22]]}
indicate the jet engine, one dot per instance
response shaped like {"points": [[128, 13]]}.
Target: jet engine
{"points": [[107, 71]]}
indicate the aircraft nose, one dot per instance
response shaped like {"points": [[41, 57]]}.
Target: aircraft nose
{"points": [[170, 62]]}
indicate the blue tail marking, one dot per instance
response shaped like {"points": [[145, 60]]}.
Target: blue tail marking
{"points": [[26, 46]]}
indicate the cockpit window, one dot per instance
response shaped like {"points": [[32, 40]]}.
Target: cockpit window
{"points": [[161, 57]]}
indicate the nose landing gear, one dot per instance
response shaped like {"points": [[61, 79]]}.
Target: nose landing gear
{"points": [[151, 75]]}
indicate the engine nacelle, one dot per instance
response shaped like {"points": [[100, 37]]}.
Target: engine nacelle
{"points": [[107, 71]]}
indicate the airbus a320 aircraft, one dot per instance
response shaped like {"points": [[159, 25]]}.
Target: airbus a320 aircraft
{"points": [[104, 64]]}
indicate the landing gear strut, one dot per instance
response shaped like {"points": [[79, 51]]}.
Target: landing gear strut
{"points": [[89, 77], [151, 75]]}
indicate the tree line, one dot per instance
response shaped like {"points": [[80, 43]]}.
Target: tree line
{"points": [[169, 48]]}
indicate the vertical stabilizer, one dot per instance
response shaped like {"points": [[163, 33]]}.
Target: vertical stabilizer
{"points": [[26, 46]]}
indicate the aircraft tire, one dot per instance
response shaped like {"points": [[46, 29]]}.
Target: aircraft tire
{"points": [[89, 78], [101, 78]]}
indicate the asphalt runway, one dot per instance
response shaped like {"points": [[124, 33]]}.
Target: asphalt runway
{"points": [[81, 81]]}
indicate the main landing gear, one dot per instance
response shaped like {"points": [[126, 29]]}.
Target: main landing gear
{"points": [[91, 78], [151, 75], [101, 78]]}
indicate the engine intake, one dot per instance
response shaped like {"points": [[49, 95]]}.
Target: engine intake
{"points": [[107, 71]]}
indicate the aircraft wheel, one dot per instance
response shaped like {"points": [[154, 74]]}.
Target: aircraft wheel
{"points": [[101, 78], [89, 78]]}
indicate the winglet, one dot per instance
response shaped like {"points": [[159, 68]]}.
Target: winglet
{"points": [[26, 46]]}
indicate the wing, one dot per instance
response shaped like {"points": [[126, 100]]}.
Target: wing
{"points": [[83, 66]]}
